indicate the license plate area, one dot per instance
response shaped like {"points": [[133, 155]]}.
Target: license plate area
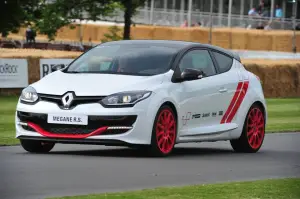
{"points": [[67, 119]]}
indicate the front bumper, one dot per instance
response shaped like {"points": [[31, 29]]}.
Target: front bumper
{"points": [[105, 125]]}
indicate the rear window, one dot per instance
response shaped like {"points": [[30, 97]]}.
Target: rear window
{"points": [[223, 61], [124, 59]]}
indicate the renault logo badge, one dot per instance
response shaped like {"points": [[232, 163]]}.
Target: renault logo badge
{"points": [[67, 100]]}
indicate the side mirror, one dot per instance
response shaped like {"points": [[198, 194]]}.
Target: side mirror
{"points": [[191, 74], [58, 67]]}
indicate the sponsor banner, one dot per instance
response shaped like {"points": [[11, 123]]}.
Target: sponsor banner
{"points": [[13, 73], [47, 65]]}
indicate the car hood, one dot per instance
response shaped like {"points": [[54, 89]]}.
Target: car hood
{"points": [[83, 84]]}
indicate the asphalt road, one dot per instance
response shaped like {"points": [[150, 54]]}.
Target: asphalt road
{"points": [[76, 170]]}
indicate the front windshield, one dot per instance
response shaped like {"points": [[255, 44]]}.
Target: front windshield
{"points": [[124, 59]]}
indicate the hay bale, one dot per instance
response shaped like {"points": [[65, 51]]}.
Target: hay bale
{"points": [[25, 53], [280, 78], [163, 33], [239, 39], [221, 37], [233, 38], [180, 34], [282, 41], [142, 32], [199, 35]]}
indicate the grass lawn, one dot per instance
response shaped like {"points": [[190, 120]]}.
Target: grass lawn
{"points": [[7, 121], [265, 189], [284, 115]]}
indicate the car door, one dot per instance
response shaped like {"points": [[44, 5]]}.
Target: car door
{"points": [[199, 102], [231, 84]]}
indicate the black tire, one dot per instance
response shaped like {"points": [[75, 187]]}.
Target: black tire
{"points": [[35, 146], [155, 149], [244, 144]]}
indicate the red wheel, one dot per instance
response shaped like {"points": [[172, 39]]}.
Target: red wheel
{"points": [[253, 132], [164, 132], [255, 128]]}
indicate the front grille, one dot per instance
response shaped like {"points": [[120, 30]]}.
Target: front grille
{"points": [[78, 100], [59, 129], [94, 122]]}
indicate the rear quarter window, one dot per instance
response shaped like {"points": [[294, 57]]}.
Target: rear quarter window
{"points": [[223, 61]]}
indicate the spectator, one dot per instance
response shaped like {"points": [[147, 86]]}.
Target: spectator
{"points": [[266, 8], [30, 35], [196, 24], [278, 12], [185, 24], [252, 12], [260, 7]]}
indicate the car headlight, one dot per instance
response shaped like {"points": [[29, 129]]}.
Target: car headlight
{"points": [[29, 95], [125, 99]]}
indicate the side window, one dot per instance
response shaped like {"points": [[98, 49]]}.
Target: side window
{"points": [[198, 59], [223, 61]]}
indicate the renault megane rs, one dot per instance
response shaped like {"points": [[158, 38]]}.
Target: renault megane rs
{"points": [[147, 93]]}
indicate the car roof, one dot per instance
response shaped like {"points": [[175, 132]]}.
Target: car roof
{"points": [[178, 45]]}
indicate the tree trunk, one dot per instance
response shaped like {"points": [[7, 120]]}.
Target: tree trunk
{"points": [[127, 19]]}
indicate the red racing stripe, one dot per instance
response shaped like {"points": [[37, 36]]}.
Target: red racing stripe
{"points": [[52, 135], [239, 102], [235, 96]]}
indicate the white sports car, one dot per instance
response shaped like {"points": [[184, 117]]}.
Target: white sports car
{"points": [[152, 94]]}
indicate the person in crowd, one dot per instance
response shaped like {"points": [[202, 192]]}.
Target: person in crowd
{"points": [[30, 35], [199, 24], [252, 12], [260, 7], [196, 24], [185, 24], [278, 12]]}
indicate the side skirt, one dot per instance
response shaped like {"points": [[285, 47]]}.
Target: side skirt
{"points": [[209, 133]]}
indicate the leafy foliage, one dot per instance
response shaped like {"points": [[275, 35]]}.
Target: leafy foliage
{"points": [[47, 17], [63, 12], [113, 35], [15, 13]]}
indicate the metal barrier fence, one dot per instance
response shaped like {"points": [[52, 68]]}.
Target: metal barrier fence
{"points": [[176, 18]]}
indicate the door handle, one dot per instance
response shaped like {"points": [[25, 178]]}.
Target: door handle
{"points": [[223, 90]]}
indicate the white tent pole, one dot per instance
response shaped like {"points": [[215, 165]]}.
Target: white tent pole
{"points": [[151, 12], [229, 13], [190, 13]]}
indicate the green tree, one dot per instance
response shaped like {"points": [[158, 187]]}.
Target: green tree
{"points": [[13, 14], [113, 34], [61, 13], [47, 17], [130, 7]]}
